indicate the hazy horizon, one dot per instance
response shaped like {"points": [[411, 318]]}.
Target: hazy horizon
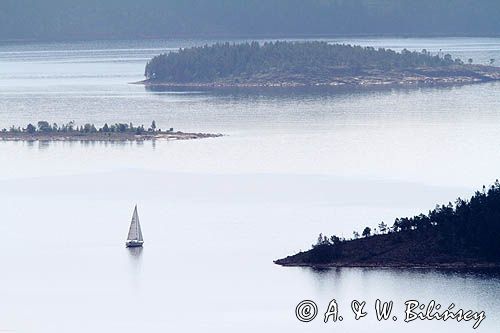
{"points": [[151, 19]]}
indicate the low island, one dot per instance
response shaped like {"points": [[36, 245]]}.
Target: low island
{"points": [[464, 235], [89, 132], [303, 64]]}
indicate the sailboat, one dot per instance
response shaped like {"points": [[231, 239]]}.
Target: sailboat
{"points": [[134, 238]]}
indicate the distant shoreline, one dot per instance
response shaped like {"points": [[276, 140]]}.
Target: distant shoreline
{"points": [[110, 137], [229, 36], [44, 131]]}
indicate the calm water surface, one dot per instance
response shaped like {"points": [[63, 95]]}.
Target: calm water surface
{"points": [[216, 212]]}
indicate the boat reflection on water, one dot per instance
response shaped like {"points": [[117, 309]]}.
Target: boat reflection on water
{"points": [[135, 252]]}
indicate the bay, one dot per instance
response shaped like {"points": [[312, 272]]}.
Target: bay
{"points": [[216, 212]]}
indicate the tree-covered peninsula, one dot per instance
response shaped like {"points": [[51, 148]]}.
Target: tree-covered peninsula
{"points": [[465, 234], [315, 63]]}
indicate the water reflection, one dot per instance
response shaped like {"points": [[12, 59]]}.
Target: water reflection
{"points": [[135, 259], [42, 144], [30, 144], [332, 272], [46, 144], [468, 290], [296, 93], [135, 253], [465, 288]]}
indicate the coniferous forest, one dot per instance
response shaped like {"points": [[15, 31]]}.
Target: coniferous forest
{"points": [[467, 231], [314, 63], [209, 63]]}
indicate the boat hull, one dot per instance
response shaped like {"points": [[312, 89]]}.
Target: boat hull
{"points": [[134, 243]]}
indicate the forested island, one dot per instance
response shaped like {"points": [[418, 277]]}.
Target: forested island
{"points": [[44, 131], [461, 235], [295, 64]]}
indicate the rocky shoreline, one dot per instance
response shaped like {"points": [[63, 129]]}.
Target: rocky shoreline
{"points": [[451, 75], [458, 265]]}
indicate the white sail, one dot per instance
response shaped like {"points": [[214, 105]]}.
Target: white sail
{"points": [[139, 232], [135, 233]]}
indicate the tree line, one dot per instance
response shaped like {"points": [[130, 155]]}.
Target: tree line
{"points": [[471, 226], [221, 60], [70, 127]]}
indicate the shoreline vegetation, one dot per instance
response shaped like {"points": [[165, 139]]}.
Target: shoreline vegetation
{"points": [[464, 235], [308, 64], [44, 131]]}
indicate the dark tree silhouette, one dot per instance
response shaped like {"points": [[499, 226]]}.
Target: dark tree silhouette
{"points": [[44, 127], [223, 60], [467, 228], [30, 128]]}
